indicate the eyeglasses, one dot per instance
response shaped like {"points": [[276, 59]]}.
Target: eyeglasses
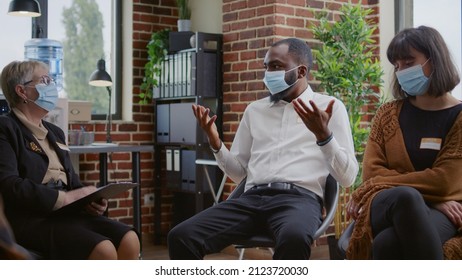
{"points": [[45, 79]]}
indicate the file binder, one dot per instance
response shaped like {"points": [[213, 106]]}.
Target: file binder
{"points": [[163, 123], [176, 160], [168, 160], [188, 170], [182, 123], [173, 166]]}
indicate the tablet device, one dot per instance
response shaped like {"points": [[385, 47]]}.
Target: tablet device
{"points": [[107, 191]]}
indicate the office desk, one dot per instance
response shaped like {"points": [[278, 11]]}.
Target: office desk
{"points": [[103, 150]]}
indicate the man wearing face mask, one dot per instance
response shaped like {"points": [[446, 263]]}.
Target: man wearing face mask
{"points": [[37, 177], [286, 146]]}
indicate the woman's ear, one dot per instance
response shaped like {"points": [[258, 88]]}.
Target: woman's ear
{"points": [[21, 92], [19, 89]]}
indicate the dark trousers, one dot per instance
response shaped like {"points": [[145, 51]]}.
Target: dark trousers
{"points": [[405, 227], [290, 216]]}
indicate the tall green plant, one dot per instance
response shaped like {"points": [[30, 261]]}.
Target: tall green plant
{"points": [[184, 11], [157, 50], [347, 67]]}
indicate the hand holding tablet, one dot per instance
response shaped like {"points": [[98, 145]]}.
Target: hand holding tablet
{"points": [[104, 192]]}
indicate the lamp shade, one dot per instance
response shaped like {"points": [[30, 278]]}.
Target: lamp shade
{"points": [[100, 78], [27, 8]]}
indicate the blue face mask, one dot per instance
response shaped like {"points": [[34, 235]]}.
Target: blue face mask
{"points": [[48, 96], [413, 80], [275, 80]]}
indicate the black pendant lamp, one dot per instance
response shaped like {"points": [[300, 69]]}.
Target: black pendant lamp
{"points": [[26, 8], [101, 78]]}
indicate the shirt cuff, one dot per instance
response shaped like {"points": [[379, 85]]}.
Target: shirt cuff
{"points": [[59, 201], [221, 155], [327, 140], [216, 151], [330, 148]]}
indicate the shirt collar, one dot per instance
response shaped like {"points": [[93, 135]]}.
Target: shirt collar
{"points": [[305, 96], [39, 131]]}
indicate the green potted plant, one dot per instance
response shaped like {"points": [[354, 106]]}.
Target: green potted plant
{"points": [[157, 50], [347, 68], [184, 15]]}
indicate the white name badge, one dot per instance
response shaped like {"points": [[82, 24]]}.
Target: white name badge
{"points": [[63, 147], [431, 143]]}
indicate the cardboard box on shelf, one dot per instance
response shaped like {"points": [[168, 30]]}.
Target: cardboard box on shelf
{"points": [[79, 110]]}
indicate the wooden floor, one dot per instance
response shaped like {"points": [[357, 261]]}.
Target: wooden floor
{"points": [[160, 252]]}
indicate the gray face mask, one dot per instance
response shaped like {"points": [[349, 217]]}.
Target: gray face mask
{"points": [[413, 80]]}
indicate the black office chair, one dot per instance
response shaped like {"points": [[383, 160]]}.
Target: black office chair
{"points": [[9, 249], [331, 194]]}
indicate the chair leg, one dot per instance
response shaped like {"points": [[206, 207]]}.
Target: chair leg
{"points": [[241, 252]]}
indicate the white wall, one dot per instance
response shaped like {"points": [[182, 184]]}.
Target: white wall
{"points": [[207, 16], [445, 16], [127, 60], [387, 32]]}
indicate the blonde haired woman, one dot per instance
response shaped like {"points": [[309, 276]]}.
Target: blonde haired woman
{"points": [[36, 177]]}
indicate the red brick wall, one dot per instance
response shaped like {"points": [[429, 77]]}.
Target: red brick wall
{"points": [[249, 28]]}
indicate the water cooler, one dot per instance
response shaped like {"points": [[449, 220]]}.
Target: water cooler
{"points": [[48, 51], [51, 52]]}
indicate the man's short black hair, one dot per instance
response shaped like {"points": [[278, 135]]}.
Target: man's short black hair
{"points": [[299, 50]]}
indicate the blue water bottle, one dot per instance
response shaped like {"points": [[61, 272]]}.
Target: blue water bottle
{"points": [[50, 52]]}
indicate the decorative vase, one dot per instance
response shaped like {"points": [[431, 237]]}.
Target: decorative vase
{"points": [[184, 25]]}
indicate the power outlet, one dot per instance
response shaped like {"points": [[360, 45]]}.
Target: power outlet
{"points": [[149, 199]]}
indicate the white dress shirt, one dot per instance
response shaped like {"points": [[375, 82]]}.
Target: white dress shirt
{"points": [[272, 144]]}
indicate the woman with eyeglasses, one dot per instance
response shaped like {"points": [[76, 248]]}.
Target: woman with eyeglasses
{"points": [[37, 177], [409, 204]]}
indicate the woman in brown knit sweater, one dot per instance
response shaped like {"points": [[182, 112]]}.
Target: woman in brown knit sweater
{"points": [[409, 205]]}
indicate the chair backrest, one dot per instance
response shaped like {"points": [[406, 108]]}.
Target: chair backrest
{"points": [[238, 190], [331, 195]]}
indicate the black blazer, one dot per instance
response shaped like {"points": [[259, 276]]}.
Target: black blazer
{"points": [[23, 165]]}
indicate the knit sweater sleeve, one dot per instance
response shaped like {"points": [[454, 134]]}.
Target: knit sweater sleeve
{"points": [[376, 155]]}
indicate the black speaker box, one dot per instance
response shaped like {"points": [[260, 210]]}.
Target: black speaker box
{"points": [[179, 41]]}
